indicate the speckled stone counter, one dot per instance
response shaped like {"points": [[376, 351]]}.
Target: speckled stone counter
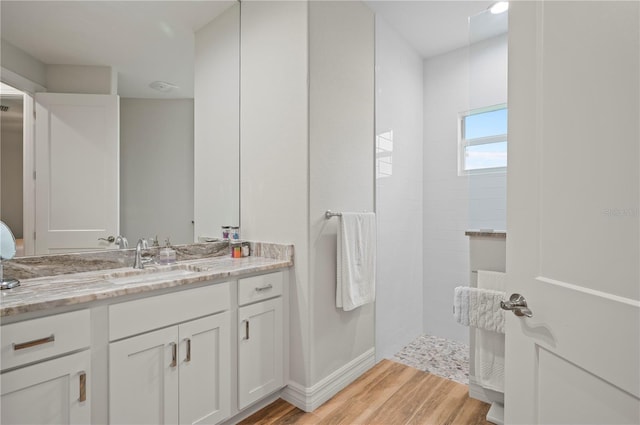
{"points": [[63, 280]]}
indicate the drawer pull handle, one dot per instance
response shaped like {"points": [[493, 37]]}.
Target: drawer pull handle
{"points": [[188, 358], [83, 386], [174, 355], [264, 288], [28, 344]]}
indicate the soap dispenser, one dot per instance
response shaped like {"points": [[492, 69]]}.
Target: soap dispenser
{"points": [[167, 254]]}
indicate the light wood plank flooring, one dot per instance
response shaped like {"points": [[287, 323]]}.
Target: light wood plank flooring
{"points": [[388, 394]]}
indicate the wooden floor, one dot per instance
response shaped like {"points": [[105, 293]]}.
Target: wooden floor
{"points": [[388, 394]]}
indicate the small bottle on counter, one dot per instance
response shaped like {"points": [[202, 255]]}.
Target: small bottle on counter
{"points": [[234, 232], [236, 249], [225, 233], [245, 249], [167, 255]]}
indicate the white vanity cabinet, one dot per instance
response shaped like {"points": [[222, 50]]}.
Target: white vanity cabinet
{"points": [[50, 369], [260, 337], [203, 353], [175, 374]]}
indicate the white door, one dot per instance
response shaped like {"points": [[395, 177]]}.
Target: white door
{"points": [[51, 392], [573, 213], [205, 378], [260, 350], [77, 171], [143, 379]]}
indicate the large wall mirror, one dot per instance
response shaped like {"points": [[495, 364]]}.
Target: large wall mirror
{"points": [[175, 67]]}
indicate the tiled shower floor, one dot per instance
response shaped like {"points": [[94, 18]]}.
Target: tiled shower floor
{"points": [[439, 356]]}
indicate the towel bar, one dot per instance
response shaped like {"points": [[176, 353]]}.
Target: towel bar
{"points": [[328, 214]]}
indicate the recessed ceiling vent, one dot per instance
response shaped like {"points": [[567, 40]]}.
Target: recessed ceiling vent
{"points": [[163, 86]]}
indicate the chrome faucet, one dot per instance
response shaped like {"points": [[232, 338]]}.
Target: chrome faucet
{"points": [[137, 262], [122, 242]]}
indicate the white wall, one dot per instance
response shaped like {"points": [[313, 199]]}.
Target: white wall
{"points": [[217, 124], [81, 79], [274, 148], [455, 82], [307, 146], [341, 137], [399, 104], [156, 169], [16, 60]]}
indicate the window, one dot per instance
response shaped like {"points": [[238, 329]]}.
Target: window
{"points": [[483, 140]]}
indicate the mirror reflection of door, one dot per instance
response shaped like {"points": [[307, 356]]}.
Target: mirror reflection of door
{"points": [[77, 172], [11, 165]]}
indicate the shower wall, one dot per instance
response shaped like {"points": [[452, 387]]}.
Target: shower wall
{"points": [[455, 82], [398, 192]]}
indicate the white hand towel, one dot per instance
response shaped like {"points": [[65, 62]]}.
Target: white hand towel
{"points": [[489, 350], [479, 308], [356, 260], [489, 360]]}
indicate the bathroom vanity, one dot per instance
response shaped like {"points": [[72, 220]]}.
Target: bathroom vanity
{"points": [[197, 341]]}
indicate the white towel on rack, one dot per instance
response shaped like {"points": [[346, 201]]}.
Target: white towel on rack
{"points": [[479, 308], [356, 260], [489, 349]]}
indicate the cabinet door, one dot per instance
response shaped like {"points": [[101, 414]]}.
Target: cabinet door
{"points": [[51, 392], [205, 379], [143, 379], [260, 350]]}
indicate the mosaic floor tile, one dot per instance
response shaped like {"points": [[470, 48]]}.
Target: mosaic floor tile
{"points": [[439, 356]]}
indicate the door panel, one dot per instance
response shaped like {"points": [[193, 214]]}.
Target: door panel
{"points": [[573, 213], [77, 171], [205, 379], [53, 387], [260, 350], [143, 383]]}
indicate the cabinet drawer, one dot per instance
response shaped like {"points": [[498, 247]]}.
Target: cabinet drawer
{"points": [[146, 314], [37, 339], [256, 288]]}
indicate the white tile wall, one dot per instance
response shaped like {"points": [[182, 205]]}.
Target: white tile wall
{"points": [[455, 82], [399, 105]]}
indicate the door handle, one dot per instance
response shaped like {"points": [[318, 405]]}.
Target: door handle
{"points": [[188, 356], [246, 329], [110, 239], [518, 305], [83, 386], [174, 355]]}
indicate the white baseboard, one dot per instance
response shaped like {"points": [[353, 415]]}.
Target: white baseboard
{"points": [[309, 399]]}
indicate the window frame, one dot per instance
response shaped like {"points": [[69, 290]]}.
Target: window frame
{"points": [[464, 143]]}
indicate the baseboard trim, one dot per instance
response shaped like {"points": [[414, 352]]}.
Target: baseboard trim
{"points": [[309, 399]]}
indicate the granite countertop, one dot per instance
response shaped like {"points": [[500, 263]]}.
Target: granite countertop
{"points": [[47, 292]]}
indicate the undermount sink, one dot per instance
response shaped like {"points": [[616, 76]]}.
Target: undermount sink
{"points": [[151, 273]]}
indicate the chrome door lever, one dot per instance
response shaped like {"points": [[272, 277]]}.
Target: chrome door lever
{"points": [[518, 305]]}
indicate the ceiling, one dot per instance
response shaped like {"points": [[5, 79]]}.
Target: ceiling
{"points": [[434, 27], [144, 40], [153, 40]]}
